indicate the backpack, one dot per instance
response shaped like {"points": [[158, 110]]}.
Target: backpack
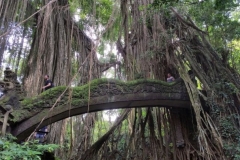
{"points": [[52, 85]]}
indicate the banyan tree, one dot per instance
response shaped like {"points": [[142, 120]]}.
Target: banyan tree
{"points": [[153, 38]]}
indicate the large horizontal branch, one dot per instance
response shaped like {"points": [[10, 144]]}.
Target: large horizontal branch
{"points": [[106, 66]]}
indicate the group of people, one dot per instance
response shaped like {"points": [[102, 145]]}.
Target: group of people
{"points": [[41, 133]]}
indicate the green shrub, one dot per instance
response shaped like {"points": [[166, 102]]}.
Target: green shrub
{"points": [[32, 150]]}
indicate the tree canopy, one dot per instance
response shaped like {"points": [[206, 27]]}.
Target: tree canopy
{"points": [[75, 41]]}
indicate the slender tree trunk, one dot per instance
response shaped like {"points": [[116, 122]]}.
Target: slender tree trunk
{"points": [[20, 51]]}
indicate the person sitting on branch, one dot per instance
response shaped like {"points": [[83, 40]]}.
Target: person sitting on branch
{"points": [[47, 83], [170, 78]]}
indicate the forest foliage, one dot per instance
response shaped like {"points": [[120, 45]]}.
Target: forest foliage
{"points": [[136, 39], [10, 150]]}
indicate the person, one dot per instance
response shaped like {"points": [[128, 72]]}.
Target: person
{"points": [[170, 78], [47, 83], [41, 133]]}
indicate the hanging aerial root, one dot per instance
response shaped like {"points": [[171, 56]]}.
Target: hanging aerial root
{"points": [[210, 146], [97, 145]]}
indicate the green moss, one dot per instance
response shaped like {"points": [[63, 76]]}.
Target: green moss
{"points": [[78, 102], [79, 94], [28, 102], [40, 99], [150, 81], [4, 100], [51, 93], [20, 114], [82, 92]]}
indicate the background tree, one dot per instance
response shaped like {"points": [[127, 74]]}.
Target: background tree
{"points": [[152, 37]]}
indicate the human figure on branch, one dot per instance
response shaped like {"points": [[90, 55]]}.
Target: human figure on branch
{"points": [[47, 83], [170, 78], [41, 134]]}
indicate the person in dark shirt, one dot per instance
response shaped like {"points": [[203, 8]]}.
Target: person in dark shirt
{"points": [[41, 133], [47, 83]]}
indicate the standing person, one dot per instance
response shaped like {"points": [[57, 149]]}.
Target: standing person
{"points": [[47, 83], [41, 133], [170, 78]]}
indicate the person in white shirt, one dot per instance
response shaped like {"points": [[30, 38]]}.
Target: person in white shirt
{"points": [[170, 78]]}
